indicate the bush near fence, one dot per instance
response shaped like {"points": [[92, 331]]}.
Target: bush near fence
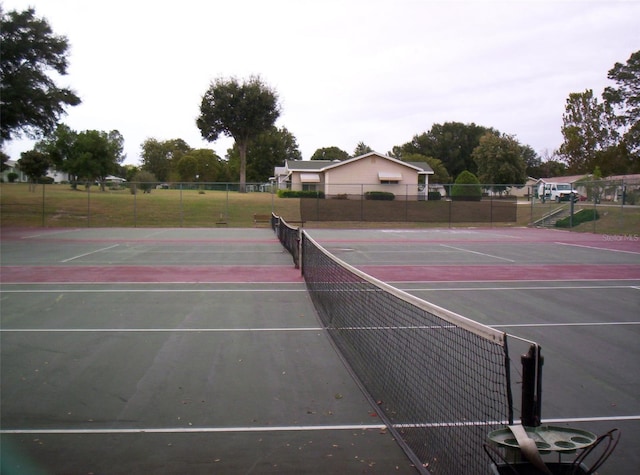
{"points": [[582, 216]]}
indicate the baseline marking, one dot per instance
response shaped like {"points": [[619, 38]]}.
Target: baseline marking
{"points": [[187, 430], [295, 329], [549, 287], [596, 248]]}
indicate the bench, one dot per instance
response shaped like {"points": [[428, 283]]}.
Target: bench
{"points": [[222, 220], [261, 219]]}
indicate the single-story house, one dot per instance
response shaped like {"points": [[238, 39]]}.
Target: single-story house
{"points": [[356, 176]]}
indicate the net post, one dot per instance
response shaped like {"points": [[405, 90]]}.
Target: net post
{"points": [[531, 387]]}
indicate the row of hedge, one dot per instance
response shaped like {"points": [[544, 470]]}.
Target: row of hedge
{"points": [[582, 216]]}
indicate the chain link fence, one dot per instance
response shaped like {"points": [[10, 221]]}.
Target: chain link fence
{"points": [[614, 205]]}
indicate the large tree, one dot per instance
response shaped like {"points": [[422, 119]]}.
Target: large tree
{"points": [[239, 110], [162, 157], [201, 165], [451, 142], [31, 102], [624, 100], [585, 131], [269, 150], [88, 156], [500, 161]]}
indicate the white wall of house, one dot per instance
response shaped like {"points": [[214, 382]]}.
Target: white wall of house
{"points": [[371, 173]]}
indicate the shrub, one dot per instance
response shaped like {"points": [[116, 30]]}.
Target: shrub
{"points": [[434, 196], [466, 188], [143, 180], [12, 177], [45, 180], [379, 195], [582, 216], [300, 194]]}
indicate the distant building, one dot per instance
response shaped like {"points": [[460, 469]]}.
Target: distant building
{"points": [[13, 168], [356, 176]]}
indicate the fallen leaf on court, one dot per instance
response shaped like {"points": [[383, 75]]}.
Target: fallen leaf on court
{"points": [[338, 396]]}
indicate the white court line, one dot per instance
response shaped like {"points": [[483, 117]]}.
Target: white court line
{"points": [[595, 247], [49, 234], [540, 287], [297, 329], [542, 325], [476, 252], [213, 430], [89, 253]]}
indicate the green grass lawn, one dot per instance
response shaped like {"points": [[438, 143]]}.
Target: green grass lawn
{"points": [[60, 206]]}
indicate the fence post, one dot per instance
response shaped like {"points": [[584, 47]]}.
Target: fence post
{"points": [[88, 205], [181, 208], [135, 207], [532, 387], [43, 203]]}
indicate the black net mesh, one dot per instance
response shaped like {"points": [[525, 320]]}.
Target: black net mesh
{"points": [[439, 380], [289, 236]]}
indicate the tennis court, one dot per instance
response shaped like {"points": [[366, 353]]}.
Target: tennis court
{"points": [[199, 351], [576, 295], [173, 351]]}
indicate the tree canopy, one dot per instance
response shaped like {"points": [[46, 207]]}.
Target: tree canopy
{"points": [[361, 149], [605, 134], [268, 150], [31, 102], [239, 110], [90, 155], [584, 130], [34, 164], [500, 161], [162, 157], [624, 101], [452, 143], [440, 174], [330, 153]]}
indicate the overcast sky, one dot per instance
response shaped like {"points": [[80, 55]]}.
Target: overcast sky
{"points": [[346, 71]]}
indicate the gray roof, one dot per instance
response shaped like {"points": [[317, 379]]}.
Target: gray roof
{"points": [[319, 165]]}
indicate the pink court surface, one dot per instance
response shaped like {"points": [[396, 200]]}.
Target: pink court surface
{"points": [[198, 350]]}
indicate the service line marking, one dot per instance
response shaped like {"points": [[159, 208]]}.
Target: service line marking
{"points": [[89, 253], [479, 253], [596, 248]]}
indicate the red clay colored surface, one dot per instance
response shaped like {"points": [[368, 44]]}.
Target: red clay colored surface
{"points": [[149, 274]]}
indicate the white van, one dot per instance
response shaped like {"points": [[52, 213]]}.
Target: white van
{"points": [[557, 192]]}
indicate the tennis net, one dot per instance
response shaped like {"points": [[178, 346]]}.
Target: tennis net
{"points": [[289, 237], [440, 381]]}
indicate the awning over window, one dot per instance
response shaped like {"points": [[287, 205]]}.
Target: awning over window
{"points": [[310, 177], [389, 176]]}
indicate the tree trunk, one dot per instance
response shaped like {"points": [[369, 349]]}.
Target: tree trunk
{"points": [[242, 148]]}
